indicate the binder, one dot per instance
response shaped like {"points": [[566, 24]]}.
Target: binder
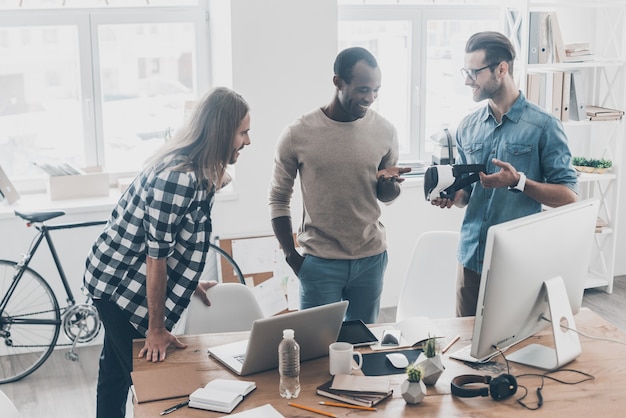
{"points": [[539, 45], [565, 102], [556, 93], [533, 88], [557, 38], [578, 107]]}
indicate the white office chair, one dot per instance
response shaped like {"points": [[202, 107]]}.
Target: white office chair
{"points": [[7, 407], [429, 287], [233, 308]]}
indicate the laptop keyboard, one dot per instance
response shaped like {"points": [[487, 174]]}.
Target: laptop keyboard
{"points": [[240, 358]]}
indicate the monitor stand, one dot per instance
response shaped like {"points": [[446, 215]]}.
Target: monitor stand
{"points": [[566, 342]]}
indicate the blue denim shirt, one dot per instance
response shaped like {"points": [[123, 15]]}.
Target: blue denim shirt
{"points": [[531, 140]]}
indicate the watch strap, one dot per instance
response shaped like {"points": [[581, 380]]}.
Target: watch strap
{"points": [[521, 184]]}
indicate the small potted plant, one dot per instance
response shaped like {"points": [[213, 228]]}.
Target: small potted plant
{"points": [[591, 165], [413, 389], [430, 362]]}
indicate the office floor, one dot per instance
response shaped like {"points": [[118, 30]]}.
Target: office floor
{"points": [[64, 389]]}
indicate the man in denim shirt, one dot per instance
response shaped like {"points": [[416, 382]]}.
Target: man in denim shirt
{"points": [[523, 147]]}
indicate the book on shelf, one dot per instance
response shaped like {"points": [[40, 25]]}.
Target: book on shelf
{"points": [[577, 46], [601, 224], [221, 395], [357, 390], [593, 110]]}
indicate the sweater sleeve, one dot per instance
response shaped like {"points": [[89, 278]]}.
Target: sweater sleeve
{"points": [[283, 176]]}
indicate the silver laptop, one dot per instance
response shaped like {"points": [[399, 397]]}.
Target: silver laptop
{"points": [[6, 188], [315, 329]]}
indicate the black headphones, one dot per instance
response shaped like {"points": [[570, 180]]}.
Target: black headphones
{"points": [[500, 388]]}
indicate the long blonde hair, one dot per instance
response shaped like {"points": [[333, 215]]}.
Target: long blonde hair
{"points": [[205, 143]]}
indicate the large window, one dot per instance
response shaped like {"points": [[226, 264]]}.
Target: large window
{"points": [[420, 49], [103, 86]]}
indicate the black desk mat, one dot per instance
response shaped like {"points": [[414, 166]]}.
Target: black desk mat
{"points": [[377, 364]]}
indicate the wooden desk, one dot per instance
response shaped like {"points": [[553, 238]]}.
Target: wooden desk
{"points": [[601, 397]]}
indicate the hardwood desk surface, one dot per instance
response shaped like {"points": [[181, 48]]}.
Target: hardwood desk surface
{"points": [[601, 397]]}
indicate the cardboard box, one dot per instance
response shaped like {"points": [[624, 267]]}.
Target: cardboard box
{"points": [[93, 183]]}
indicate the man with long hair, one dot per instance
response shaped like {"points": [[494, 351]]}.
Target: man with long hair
{"points": [[145, 266]]}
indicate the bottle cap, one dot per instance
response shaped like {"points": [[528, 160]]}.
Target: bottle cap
{"points": [[288, 333]]}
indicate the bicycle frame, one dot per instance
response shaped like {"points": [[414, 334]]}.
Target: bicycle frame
{"points": [[44, 233]]}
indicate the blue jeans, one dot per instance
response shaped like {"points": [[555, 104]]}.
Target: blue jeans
{"points": [[116, 360], [360, 281]]}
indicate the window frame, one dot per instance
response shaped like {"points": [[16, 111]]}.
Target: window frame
{"points": [[87, 21], [418, 16]]}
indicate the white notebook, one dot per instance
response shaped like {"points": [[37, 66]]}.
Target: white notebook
{"points": [[221, 395]]}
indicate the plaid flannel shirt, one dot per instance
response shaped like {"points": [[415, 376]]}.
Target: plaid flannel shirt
{"points": [[165, 214]]}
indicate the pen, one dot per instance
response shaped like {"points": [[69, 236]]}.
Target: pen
{"points": [[174, 408], [450, 344], [308, 408], [347, 405]]}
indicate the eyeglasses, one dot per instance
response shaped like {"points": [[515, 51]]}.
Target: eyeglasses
{"points": [[473, 73]]}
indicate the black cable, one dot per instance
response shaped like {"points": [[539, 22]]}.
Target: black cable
{"points": [[547, 375]]}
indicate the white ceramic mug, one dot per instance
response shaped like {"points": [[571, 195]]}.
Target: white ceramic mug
{"points": [[340, 358]]}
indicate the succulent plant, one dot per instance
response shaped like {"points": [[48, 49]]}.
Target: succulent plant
{"points": [[413, 373], [591, 162], [430, 347]]}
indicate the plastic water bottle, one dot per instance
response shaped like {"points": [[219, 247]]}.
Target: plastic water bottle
{"points": [[289, 365]]}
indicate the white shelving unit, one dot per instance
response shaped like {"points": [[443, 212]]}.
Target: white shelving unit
{"points": [[602, 24]]}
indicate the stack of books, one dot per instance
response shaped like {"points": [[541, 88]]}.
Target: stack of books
{"points": [[577, 52], [357, 390], [603, 113]]}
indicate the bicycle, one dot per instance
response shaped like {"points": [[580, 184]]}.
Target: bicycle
{"points": [[30, 315]]}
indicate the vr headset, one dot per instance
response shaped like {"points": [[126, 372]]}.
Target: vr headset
{"points": [[444, 180]]}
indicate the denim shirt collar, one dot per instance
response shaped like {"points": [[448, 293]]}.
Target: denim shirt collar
{"points": [[514, 114]]}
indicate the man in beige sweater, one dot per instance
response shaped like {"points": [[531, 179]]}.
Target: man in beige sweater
{"points": [[346, 155]]}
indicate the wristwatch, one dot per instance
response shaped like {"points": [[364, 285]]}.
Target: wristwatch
{"points": [[519, 187]]}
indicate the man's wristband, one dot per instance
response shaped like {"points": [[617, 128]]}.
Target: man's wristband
{"points": [[519, 187]]}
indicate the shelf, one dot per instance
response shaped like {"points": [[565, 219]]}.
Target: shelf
{"points": [[593, 281], [560, 66], [589, 177], [603, 80]]}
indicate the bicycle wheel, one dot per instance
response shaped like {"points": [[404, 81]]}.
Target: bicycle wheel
{"points": [[29, 323]]}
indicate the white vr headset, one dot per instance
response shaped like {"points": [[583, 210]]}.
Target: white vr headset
{"points": [[442, 181]]}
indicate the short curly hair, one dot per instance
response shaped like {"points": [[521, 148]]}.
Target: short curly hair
{"points": [[347, 59]]}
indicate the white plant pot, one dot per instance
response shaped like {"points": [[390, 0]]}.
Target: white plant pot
{"points": [[431, 367], [413, 392]]}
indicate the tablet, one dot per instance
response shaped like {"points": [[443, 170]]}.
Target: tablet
{"points": [[356, 333]]}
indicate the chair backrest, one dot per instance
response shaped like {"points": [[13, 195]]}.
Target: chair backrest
{"points": [[7, 407], [233, 308], [429, 287]]}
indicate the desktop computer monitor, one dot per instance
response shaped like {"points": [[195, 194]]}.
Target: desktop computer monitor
{"points": [[534, 271]]}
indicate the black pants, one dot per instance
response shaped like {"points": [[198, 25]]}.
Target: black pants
{"points": [[116, 360]]}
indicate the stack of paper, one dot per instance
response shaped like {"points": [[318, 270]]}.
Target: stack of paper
{"points": [[221, 395]]}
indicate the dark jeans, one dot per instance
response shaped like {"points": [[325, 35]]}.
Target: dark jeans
{"points": [[116, 360], [467, 287]]}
